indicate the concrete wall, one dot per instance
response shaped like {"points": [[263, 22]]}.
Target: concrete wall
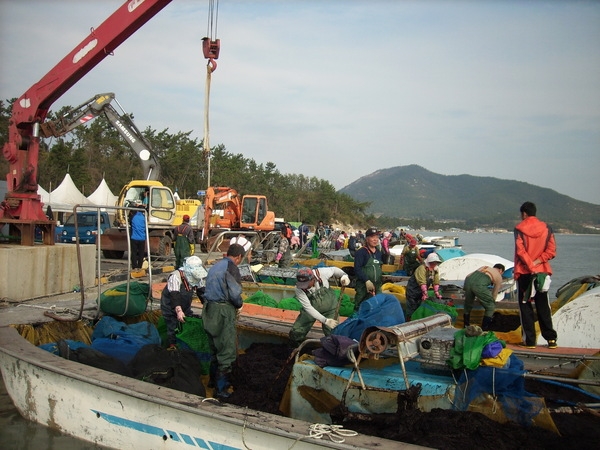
{"points": [[42, 270]]}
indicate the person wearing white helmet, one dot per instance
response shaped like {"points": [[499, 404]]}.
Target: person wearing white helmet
{"points": [[426, 276], [176, 298]]}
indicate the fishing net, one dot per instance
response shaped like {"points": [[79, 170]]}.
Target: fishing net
{"points": [[49, 332], [504, 385], [191, 336], [290, 303], [430, 308], [262, 299]]}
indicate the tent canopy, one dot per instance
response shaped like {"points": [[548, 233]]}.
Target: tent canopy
{"points": [[103, 195]]}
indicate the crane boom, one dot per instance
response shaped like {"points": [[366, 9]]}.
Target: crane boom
{"points": [[92, 108], [22, 206]]}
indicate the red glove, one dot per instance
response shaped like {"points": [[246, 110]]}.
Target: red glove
{"points": [[425, 294]]}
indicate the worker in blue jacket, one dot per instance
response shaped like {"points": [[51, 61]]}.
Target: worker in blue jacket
{"points": [[223, 300]]}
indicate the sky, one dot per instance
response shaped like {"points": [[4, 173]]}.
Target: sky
{"points": [[340, 89]]}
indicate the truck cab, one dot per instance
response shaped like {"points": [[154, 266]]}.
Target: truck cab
{"points": [[87, 224]]}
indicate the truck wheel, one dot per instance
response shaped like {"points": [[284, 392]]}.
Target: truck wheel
{"points": [[165, 246]]}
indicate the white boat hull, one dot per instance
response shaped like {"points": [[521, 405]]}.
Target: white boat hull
{"points": [[120, 412], [578, 322]]}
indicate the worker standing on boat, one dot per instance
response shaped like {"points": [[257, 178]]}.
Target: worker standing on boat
{"points": [[184, 241], [426, 276], [176, 298], [318, 300], [367, 268], [477, 285], [284, 254], [534, 248], [223, 300], [411, 257]]}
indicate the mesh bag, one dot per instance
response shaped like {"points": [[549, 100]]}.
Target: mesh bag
{"points": [[507, 385]]}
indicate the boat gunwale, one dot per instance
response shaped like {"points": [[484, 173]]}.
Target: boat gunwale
{"points": [[15, 346]]}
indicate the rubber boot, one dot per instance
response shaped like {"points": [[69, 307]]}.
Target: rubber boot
{"points": [[467, 320], [486, 324], [212, 374], [223, 385]]}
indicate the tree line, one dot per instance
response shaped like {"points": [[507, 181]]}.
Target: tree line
{"points": [[96, 150]]}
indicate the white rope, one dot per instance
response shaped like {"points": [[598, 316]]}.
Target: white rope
{"points": [[335, 433]]}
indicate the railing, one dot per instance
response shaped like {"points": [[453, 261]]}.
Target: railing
{"points": [[99, 250]]}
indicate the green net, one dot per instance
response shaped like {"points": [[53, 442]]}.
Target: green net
{"points": [[262, 299], [290, 303], [347, 306], [191, 335], [430, 307]]}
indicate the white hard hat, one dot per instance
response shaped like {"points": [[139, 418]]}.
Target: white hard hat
{"points": [[241, 240]]}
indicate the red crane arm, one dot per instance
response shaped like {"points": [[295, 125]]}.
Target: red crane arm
{"points": [[22, 146]]}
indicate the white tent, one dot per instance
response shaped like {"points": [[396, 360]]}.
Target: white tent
{"points": [[44, 194], [66, 195], [103, 195]]}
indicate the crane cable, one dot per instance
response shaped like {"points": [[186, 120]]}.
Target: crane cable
{"points": [[210, 47]]}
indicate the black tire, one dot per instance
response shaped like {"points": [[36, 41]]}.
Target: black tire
{"points": [[165, 246], [113, 254]]}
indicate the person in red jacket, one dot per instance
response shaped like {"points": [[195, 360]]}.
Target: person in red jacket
{"points": [[534, 248]]}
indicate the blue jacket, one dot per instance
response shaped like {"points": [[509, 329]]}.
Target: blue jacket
{"points": [[138, 227], [224, 283]]}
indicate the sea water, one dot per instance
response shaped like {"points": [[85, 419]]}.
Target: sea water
{"points": [[577, 255]]}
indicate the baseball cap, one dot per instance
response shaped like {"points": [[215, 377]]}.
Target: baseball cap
{"points": [[371, 232], [304, 277], [186, 218]]}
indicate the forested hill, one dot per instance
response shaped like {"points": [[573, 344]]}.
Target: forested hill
{"points": [[412, 192]]}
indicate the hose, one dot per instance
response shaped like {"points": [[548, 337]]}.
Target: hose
{"points": [[574, 388]]}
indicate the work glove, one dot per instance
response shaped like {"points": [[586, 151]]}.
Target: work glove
{"points": [[331, 323], [436, 290], [180, 314], [345, 280], [278, 257], [370, 286], [424, 295]]}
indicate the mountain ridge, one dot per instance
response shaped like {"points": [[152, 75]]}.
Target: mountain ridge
{"points": [[413, 192]]}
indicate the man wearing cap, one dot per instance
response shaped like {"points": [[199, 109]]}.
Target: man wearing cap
{"points": [[426, 276], [367, 268], [184, 240], [223, 300], [318, 300], [176, 298], [477, 285]]}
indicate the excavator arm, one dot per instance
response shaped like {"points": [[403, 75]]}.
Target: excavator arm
{"points": [[22, 207], [92, 108]]}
